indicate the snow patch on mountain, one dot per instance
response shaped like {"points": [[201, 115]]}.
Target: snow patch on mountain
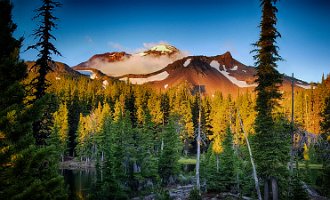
{"points": [[85, 72], [93, 76], [105, 83], [163, 48], [89, 73], [239, 83], [304, 86], [139, 81], [234, 68], [187, 62], [215, 64]]}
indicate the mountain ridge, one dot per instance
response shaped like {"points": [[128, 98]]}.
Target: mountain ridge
{"points": [[215, 73]]}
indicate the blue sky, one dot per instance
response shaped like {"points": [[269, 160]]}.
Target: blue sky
{"points": [[201, 27]]}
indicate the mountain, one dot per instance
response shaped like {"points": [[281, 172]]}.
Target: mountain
{"points": [[58, 69], [108, 57], [162, 50], [121, 63], [164, 66], [217, 73]]}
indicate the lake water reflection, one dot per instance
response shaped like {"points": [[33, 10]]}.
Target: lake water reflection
{"points": [[80, 182]]}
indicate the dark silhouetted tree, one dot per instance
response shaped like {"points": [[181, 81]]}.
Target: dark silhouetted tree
{"points": [[43, 65], [44, 45], [26, 170]]}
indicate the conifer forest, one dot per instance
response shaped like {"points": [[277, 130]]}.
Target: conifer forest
{"points": [[138, 142]]}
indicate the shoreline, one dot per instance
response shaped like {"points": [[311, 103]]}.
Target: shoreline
{"points": [[74, 164]]}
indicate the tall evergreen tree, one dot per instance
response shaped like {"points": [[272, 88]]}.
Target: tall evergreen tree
{"points": [[227, 172], [26, 170], [220, 178], [44, 45], [60, 130], [219, 122], [325, 123], [325, 127], [168, 160], [12, 71], [269, 149], [43, 65]]}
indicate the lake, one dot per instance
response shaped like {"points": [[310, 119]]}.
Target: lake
{"points": [[81, 182]]}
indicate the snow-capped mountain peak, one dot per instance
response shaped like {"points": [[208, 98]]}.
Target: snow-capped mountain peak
{"points": [[164, 48]]}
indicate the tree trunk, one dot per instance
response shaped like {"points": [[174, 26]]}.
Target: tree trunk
{"points": [[102, 156], [218, 161], [292, 128], [251, 158], [198, 143], [274, 188], [186, 146], [266, 190], [198, 149], [162, 145]]}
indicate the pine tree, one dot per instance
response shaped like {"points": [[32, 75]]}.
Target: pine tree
{"points": [[146, 166], [270, 150], [155, 109], [43, 66], [44, 45], [101, 137], [81, 137], [186, 121], [27, 171], [209, 170], [227, 172], [219, 122], [168, 160], [222, 177], [119, 176], [325, 123], [61, 130], [325, 128], [140, 105]]}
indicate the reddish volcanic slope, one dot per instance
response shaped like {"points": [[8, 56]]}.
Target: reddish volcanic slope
{"points": [[197, 72], [216, 73], [109, 57]]}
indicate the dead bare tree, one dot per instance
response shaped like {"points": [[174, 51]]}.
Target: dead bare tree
{"points": [[256, 181]]}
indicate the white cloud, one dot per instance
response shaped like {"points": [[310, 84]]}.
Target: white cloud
{"points": [[136, 64]]}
